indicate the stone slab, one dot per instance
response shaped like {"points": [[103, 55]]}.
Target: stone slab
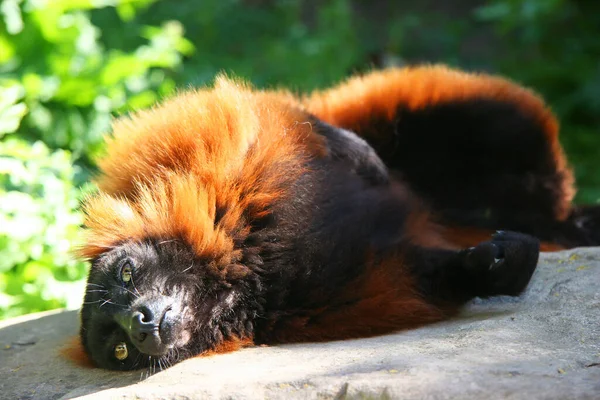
{"points": [[542, 345]]}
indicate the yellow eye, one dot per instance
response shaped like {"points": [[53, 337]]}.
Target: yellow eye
{"points": [[126, 272], [121, 352]]}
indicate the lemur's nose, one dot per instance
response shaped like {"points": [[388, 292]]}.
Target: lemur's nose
{"points": [[144, 321]]}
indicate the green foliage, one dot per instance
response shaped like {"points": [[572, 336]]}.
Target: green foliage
{"points": [[12, 109], [272, 45], [553, 46], [38, 224], [68, 66], [72, 83]]}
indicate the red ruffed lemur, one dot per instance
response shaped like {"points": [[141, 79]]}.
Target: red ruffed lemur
{"points": [[229, 216]]}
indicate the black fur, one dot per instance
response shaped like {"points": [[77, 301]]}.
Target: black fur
{"points": [[477, 162], [204, 308], [502, 266], [347, 147]]}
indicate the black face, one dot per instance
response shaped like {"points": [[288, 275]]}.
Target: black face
{"points": [[152, 303]]}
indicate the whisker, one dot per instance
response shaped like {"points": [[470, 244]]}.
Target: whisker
{"points": [[137, 361], [92, 302], [188, 268], [132, 293], [135, 288], [167, 241], [105, 273], [109, 301]]}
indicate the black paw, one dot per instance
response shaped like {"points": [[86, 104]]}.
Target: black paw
{"points": [[504, 265]]}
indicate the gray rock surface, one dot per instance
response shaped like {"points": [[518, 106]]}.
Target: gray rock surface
{"points": [[543, 345]]}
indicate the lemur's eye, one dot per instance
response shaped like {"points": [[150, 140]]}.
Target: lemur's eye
{"points": [[121, 352], [126, 270]]}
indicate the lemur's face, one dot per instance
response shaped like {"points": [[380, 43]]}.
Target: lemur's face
{"points": [[149, 304]]}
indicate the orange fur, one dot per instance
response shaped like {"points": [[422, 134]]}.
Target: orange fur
{"points": [[381, 300], [169, 170], [229, 345], [354, 103], [73, 351], [423, 231]]}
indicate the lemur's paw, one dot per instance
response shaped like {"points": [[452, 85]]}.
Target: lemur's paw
{"points": [[504, 265]]}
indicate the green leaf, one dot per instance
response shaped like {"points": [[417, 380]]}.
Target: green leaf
{"points": [[12, 16], [11, 110]]}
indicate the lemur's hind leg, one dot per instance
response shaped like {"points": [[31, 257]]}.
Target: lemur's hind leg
{"points": [[410, 287], [481, 150], [501, 266]]}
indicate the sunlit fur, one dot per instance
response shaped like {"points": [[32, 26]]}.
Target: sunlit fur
{"points": [[167, 170], [356, 102]]}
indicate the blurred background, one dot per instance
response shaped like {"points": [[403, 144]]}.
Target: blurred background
{"points": [[68, 66]]}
